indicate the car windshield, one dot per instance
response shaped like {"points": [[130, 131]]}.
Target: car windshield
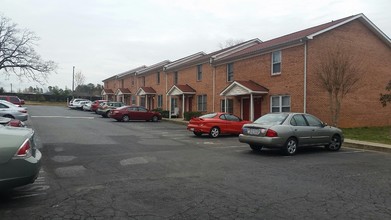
{"points": [[210, 115], [271, 119]]}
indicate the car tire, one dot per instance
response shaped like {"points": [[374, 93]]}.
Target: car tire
{"points": [[214, 132], [335, 143], [290, 147], [198, 134], [155, 118], [255, 148], [125, 118]]}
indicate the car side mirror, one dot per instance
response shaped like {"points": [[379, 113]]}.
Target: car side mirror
{"points": [[324, 124]]}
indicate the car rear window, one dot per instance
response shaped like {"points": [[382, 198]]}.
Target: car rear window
{"points": [[211, 115], [271, 119]]}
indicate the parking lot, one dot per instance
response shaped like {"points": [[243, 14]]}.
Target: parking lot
{"points": [[99, 168]]}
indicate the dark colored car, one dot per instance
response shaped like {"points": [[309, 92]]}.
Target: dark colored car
{"points": [[288, 131], [215, 124], [127, 113], [105, 108], [13, 99], [95, 105]]}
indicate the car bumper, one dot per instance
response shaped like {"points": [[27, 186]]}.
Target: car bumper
{"points": [[22, 117], [198, 129], [268, 142], [19, 172]]}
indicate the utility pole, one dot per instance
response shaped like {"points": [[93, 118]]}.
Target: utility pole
{"points": [[73, 80]]}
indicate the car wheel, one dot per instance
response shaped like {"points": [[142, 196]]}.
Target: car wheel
{"points": [[214, 132], [335, 143], [154, 118], [198, 134], [290, 147], [9, 116], [125, 118], [256, 148]]}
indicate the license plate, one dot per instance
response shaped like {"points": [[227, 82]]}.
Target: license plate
{"points": [[253, 131]]}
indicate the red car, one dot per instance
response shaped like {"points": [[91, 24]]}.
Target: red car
{"points": [[127, 113], [216, 123], [95, 105], [13, 99], [11, 122]]}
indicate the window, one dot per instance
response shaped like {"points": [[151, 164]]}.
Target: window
{"points": [[276, 62], [175, 77], [230, 72], [312, 121], [132, 80], [174, 104], [158, 78], [160, 101], [201, 103], [298, 120], [133, 100], [231, 117], [280, 104], [143, 80], [199, 72], [230, 106]]}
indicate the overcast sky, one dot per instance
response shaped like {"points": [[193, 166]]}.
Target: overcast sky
{"points": [[102, 38]]}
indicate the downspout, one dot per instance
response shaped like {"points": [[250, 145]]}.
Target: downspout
{"points": [[305, 78], [166, 92], [213, 88]]}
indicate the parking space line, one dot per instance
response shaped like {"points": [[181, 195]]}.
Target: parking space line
{"points": [[68, 117]]}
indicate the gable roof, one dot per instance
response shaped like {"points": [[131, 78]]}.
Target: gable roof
{"points": [[180, 90], [174, 64], [307, 34], [146, 91], [154, 67], [241, 87], [107, 92], [123, 91]]}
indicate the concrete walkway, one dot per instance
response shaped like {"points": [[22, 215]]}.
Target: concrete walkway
{"points": [[348, 142]]}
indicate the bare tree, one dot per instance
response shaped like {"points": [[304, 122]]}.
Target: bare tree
{"points": [[79, 79], [17, 54], [384, 98], [230, 42], [339, 73]]}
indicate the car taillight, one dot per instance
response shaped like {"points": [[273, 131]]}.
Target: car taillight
{"points": [[271, 133], [24, 150], [23, 111]]}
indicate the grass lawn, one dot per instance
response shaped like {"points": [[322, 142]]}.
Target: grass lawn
{"points": [[372, 134]]}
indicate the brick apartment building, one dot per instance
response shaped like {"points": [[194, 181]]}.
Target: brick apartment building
{"points": [[254, 78]]}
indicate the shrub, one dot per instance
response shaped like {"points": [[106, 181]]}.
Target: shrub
{"points": [[190, 115]]}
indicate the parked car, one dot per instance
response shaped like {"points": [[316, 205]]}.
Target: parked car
{"points": [[10, 110], [95, 105], [74, 102], [105, 108], [288, 131], [127, 113], [87, 106], [216, 123], [79, 104], [13, 99], [20, 160], [11, 122]]}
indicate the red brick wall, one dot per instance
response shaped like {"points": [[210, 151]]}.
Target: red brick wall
{"points": [[361, 107]]}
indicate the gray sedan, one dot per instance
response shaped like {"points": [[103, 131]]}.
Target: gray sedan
{"points": [[10, 110], [20, 160], [288, 131]]}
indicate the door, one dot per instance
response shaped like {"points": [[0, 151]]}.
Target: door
{"points": [[320, 134], [257, 108], [301, 129], [246, 109]]}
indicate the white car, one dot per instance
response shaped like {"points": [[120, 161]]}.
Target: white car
{"points": [[87, 106], [73, 104], [10, 110]]}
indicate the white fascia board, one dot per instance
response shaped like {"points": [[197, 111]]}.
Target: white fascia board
{"points": [[235, 49], [184, 60], [160, 64], [131, 71]]}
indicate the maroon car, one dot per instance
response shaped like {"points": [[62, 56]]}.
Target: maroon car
{"points": [[127, 113], [95, 105]]}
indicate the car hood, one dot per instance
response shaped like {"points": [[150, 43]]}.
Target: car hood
{"points": [[11, 139]]}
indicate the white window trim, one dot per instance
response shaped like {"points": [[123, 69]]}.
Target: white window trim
{"points": [[278, 73], [280, 102]]}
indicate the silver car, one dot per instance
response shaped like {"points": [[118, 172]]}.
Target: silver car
{"points": [[288, 131], [10, 110], [20, 160]]}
